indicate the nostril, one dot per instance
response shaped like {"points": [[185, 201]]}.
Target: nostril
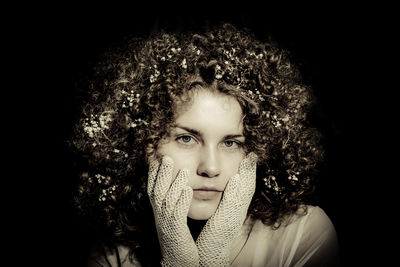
{"points": [[208, 174], [203, 174]]}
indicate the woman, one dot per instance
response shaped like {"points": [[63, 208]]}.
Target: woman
{"points": [[197, 152]]}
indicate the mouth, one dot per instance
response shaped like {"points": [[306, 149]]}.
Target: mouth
{"points": [[206, 193]]}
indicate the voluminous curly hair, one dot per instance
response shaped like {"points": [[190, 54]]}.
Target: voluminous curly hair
{"points": [[132, 102]]}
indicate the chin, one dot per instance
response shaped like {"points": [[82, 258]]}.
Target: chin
{"points": [[202, 209], [199, 217]]}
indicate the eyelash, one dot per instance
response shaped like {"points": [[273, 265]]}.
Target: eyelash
{"points": [[181, 137], [239, 144]]}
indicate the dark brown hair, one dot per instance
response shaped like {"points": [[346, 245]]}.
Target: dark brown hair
{"points": [[130, 109]]}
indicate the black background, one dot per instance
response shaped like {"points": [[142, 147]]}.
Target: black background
{"points": [[336, 46]]}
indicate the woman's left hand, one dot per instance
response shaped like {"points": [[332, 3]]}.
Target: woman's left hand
{"points": [[220, 230]]}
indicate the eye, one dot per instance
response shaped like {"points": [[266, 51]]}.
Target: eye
{"points": [[229, 143], [186, 139], [232, 144]]}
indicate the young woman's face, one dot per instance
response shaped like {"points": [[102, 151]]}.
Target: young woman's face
{"points": [[207, 140]]}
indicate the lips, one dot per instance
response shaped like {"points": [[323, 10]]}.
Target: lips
{"points": [[206, 193]]}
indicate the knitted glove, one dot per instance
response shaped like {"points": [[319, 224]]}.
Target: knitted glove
{"points": [[214, 241], [170, 205]]}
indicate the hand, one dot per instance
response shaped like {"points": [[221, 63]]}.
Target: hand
{"points": [[170, 207], [214, 241]]}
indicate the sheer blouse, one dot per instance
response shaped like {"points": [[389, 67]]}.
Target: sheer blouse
{"points": [[302, 240]]}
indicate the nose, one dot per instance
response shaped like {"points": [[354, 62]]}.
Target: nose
{"points": [[208, 163]]}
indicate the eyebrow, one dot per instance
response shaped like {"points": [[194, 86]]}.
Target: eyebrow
{"points": [[199, 133]]}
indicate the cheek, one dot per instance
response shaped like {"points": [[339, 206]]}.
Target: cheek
{"points": [[231, 164], [182, 159]]}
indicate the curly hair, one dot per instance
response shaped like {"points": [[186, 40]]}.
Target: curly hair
{"points": [[131, 106]]}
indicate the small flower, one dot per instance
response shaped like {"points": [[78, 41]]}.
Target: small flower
{"points": [[277, 124], [104, 120], [183, 64], [218, 72], [138, 122], [107, 193], [292, 175], [271, 183], [95, 124], [154, 76]]}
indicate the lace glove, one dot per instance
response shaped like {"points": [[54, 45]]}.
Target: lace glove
{"points": [[214, 241], [170, 205]]}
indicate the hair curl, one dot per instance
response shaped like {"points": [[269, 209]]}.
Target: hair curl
{"points": [[129, 111]]}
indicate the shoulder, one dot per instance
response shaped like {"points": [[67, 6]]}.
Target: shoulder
{"points": [[317, 222], [307, 238], [118, 256], [317, 240], [308, 220]]}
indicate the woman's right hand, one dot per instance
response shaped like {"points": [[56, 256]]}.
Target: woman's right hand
{"points": [[170, 207]]}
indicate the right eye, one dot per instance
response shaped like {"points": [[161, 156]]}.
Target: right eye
{"points": [[186, 140]]}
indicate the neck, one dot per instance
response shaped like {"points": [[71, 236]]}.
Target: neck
{"points": [[195, 226]]}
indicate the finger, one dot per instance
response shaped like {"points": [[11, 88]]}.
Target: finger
{"points": [[247, 172], [231, 189], [175, 191], [163, 180], [248, 162], [183, 204], [229, 200], [153, 169]]}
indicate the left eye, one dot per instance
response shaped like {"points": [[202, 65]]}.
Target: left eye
{"points": [[230, 143]]}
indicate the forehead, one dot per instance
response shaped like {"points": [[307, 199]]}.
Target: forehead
{"points": [[210, 111]]}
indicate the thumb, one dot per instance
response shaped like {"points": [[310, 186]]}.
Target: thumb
{"points": [[183, 204], [248, 173], [248, 162], [231, 189]]}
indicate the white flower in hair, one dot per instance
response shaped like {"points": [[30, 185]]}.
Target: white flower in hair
{"points": [[183, 64], [96, 124]]}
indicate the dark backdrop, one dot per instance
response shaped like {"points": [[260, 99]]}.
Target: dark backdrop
{"points": [[331, 43]]}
